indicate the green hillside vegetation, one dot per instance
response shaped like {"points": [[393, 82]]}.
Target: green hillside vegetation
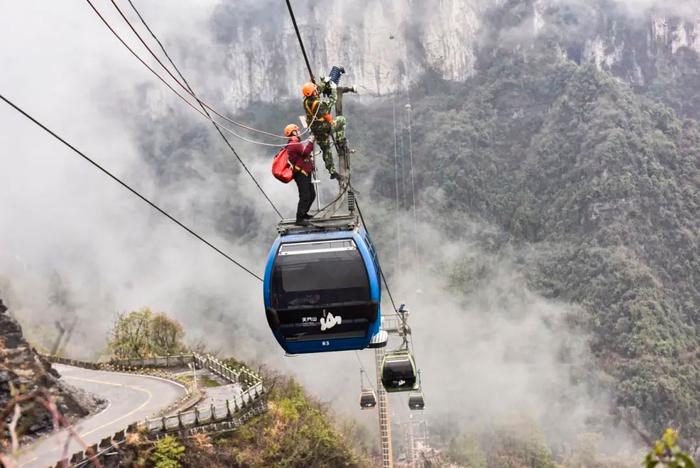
{"points": [[594, 186], [602, 187], [598, 185], [606, 185], [295, 431]]}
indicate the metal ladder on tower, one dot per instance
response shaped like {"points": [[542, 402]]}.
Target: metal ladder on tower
{"points": [[384, 418]]}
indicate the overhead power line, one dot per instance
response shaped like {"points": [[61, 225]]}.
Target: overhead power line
{"points": [[129, 188]]}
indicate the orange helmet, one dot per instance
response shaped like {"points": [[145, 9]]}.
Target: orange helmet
{"points": [[290, 129], [309, 89]]}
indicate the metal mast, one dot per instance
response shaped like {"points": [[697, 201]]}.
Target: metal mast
{"points": [[384, 418]]}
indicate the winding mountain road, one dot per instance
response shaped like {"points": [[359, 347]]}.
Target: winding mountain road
{"points": [[130, 398]]}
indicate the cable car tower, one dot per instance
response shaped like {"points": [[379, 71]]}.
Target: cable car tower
{"points": [[392, 368]]}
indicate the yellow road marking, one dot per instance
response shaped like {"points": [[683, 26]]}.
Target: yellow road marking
{"points": [[139, 389], [102, 382]]}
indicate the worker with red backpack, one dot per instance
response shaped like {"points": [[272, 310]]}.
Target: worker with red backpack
{"points": [[299, 155]]}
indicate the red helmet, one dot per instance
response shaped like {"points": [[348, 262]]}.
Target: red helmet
{"points": [[290, 130]]}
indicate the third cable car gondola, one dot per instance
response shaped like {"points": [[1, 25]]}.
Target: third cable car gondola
{"points": [[399, 371], [368, 397], [322, 288], [416, 400]]}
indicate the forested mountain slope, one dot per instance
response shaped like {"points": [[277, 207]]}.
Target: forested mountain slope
{"points": [[595, 187], [593, 182], [599, 186]]}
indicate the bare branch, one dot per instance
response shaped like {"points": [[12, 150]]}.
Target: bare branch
{"points": [[13, 428]]}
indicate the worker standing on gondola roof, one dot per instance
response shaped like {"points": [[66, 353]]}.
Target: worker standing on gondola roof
{"points": [[301, 160]]}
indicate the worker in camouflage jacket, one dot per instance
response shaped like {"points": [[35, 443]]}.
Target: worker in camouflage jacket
{"points": [[320, 120]]}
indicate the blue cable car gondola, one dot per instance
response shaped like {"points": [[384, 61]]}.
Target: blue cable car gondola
{"points": [[322, 289]]}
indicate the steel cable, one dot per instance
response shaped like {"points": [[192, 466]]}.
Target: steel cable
{"points": [[381, 272], [184, 86], [129, 188], [245, 167]]}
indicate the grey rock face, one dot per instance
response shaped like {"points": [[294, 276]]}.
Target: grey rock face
{"points": [[23, 370], [381, 44], [384, 45]]}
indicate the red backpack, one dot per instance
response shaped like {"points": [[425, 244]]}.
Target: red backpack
{"points": [[281, 168]]}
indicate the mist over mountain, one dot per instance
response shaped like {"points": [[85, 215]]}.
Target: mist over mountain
{"points": [[556, 180]]}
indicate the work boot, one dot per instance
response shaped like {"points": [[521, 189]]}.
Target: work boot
{"points": [[301, 222], [308, 216]]}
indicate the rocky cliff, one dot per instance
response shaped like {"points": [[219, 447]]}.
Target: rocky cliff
{"points": [[385, 44], [638, 52], [380, 43], [27, 378]]}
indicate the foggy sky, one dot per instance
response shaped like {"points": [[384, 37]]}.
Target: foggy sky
{"points": [[114, 253]]}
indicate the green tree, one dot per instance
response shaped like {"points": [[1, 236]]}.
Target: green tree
{"points": [[129, 338], [295, 431], [141, 333], [165, 335]]}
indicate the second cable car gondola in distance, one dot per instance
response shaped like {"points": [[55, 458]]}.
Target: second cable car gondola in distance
{"points": [[399, 372], [322, 289]]}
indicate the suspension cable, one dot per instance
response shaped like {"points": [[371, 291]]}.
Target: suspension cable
{"points": [[363, 370], [409, 112], [381, 272], [301, 42], [143, 62], [396, 186], [184, 86], [129, 188], [245, 167]]}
